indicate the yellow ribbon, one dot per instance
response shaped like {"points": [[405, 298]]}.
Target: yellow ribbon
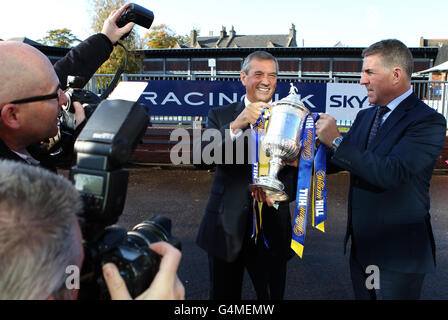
{"points": [[263, 170]]}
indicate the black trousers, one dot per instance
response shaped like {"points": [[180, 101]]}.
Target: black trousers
{"points": [[392, 285], [266, 270]]}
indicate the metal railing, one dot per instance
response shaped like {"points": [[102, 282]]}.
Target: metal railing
{"points": [[433, 93], [99, 82]]}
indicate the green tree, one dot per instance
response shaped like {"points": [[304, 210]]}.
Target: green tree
{"points": [[100, 11], [59, 38], [161, 37]]}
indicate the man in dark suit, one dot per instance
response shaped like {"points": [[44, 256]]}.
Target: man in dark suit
{"points": [[390, 171], [227, 226]]}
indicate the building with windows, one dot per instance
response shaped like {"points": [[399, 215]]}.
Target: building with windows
{"points": [[322, 62], [228, 50]]}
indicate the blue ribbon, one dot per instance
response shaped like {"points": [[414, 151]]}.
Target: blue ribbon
{"points": [[256, 133], [320, 189], [309, 184]]}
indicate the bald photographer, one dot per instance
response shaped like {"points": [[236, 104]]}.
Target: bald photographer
{"points": [[31, 93]]}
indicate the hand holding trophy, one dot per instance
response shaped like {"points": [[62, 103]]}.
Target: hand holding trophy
{"points": [[281, 142]]}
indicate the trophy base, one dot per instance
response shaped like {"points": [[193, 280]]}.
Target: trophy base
{"points": [[272, 187]]}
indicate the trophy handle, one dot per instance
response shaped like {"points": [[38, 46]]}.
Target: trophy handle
{"points": [[275, 164]]}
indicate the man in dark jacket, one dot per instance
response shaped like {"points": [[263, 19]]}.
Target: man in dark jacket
{"points": [[390, 152], [227, 226]]}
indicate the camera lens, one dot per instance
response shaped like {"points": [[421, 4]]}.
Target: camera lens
{"points": [[150, 231], [130, 252]]}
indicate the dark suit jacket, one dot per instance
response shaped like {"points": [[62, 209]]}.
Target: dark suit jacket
{"points": [[388, 207], [229, 209]]}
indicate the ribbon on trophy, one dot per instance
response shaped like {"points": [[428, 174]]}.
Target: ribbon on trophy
{"points": [[312, 177], [260, 167]]}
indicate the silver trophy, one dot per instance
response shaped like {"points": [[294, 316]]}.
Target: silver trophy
{"points": [[281, 141]]}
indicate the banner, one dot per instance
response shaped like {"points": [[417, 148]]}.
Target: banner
{"points": [[344, 100], [195, 98]]}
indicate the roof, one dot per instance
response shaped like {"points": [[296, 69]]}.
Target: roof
{"points": [[243, 41], [25, 40], [232, 40], [442, 56], [47, 50], [439, 68]]}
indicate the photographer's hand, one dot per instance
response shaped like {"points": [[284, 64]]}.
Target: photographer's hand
{"points": [[110, 28], [80, 115], [165, 286]]}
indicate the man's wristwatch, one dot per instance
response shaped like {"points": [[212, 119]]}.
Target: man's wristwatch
{"points": [[336, 142]]}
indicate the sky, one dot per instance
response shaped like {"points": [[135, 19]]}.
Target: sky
{"points": [[319, 23]]}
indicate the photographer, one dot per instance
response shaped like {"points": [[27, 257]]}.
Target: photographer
{"points": [[31, 93], [30, 101], [41, 241]]}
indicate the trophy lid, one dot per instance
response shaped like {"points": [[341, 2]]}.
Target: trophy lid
{"points": [[292, 99]]}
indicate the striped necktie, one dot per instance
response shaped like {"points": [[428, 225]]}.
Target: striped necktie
{"points": [[380, 112]]}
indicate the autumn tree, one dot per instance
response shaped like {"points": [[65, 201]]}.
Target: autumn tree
{"points": [[59, 38], [100, 11], [161, 37]]}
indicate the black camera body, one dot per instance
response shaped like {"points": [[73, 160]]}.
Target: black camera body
{"points": [[103, 147], [88, 100], [130, 252], [137, 14], [60, 147]]}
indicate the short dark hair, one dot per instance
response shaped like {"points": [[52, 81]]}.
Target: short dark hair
{"points": [[394, 53], [261, 55]]}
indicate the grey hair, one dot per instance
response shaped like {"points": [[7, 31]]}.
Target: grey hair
{"points": [[260, 55], [38, 231], [394, 53]]}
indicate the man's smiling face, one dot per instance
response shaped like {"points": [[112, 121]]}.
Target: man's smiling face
{"points": [[261, 80]]}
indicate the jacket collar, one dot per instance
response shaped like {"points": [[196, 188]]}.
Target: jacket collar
{"points": [[400, 111]]}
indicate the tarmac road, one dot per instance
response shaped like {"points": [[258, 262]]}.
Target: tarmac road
{"points": [[181, 193]]}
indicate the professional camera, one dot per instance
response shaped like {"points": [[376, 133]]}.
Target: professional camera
{"points": [[130, 252], [103, 147], [137, 14], [88, 99]]}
